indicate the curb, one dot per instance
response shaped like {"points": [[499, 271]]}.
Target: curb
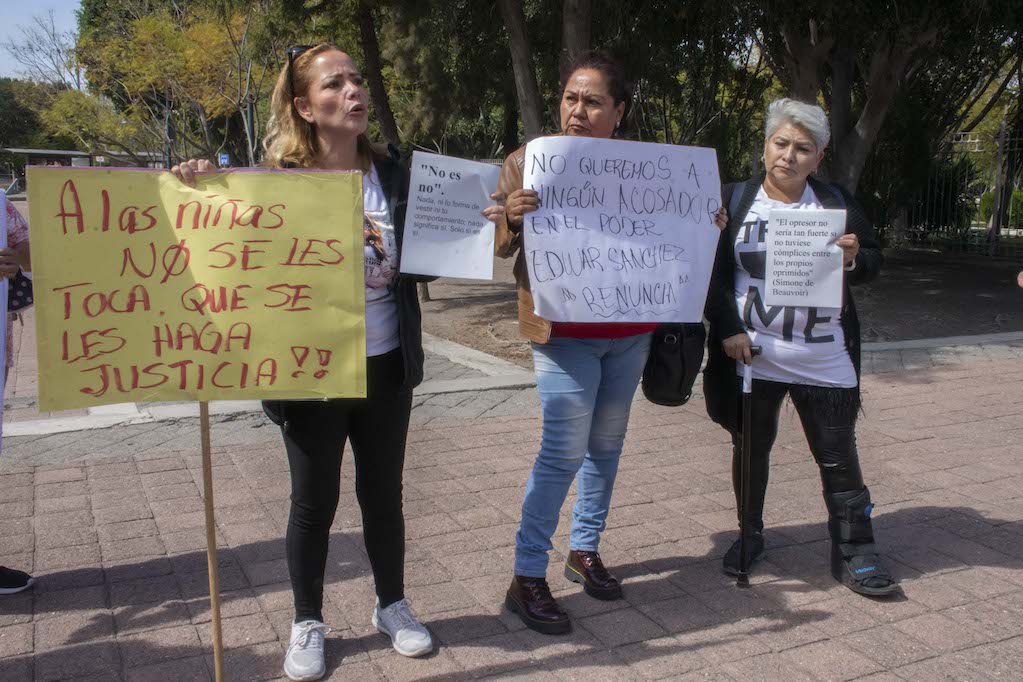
{"points": [[500, 374], [944, 342]]}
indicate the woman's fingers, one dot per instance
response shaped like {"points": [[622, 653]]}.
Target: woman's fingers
{"points": [[179, 174], [850, 245], [520, 202], [9, 262], [739, 347], [527, 202], [721, 218], [747, 353], [493, 213], [848, 242], [186, 171]]}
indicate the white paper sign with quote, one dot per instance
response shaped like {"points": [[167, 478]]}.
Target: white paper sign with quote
{"points": [[625, 230], [804, 264], [446, 234]]}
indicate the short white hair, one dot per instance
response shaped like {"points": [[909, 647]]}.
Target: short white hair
{"points": [[810, 117]]}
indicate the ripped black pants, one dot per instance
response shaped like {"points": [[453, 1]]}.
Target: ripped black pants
{"points": [[828, 416]]}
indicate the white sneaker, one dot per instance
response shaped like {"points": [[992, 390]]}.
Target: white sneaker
{"points": [[409, 636], [304, 660]]}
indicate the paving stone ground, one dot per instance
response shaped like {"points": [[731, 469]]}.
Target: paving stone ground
{"points": [[110, 521]]}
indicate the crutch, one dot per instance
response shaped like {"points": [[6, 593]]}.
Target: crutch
{"points": [[745, 465]]}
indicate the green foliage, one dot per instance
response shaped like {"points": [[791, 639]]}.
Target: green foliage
{"points": [[450, 78], [20, 123], [704, 70], [1015, 216], [201, 63], [96, 125]]}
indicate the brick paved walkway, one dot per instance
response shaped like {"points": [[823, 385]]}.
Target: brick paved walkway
{"points": [[113, 530]]}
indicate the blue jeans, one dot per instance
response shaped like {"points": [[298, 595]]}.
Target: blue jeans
{"points": [[586, 388]]}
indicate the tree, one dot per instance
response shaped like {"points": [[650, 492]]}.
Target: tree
{"points": [[530, 104], [46, 54], [448, 75], [199, 76], [576, 26], [374, 67], [860, 55], [96, 126], [19, 124]]}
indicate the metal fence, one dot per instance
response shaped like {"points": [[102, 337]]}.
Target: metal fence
{"points": [[956, 205]]}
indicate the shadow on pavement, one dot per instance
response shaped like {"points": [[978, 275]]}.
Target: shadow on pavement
{"points": [[685, 597]]}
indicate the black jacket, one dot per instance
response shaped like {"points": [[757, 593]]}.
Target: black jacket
{"points": [[394, 179], [720, 385]]}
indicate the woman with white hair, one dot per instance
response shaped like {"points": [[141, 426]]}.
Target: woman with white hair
{"points": [[810, 354]]}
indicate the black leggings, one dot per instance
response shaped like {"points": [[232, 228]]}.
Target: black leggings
{"points": [[829, 422], [315, 432]]}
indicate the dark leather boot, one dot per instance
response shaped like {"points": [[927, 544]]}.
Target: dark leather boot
{"points": [[587, 569], [532, 600]]}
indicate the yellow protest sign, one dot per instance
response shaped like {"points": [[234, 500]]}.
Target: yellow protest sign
{"points": [[248, 286]]}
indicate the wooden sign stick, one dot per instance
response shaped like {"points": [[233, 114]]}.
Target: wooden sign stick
{"points": [[211, 540]]}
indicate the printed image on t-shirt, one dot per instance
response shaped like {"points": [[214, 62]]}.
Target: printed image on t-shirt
{"points": [[801, 345], [380, 255], [381, 251]]}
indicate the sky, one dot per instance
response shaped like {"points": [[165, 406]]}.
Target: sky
{"points": [[14, 13]]}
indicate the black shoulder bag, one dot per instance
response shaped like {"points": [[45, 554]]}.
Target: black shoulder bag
{"points": [[19, 292], [676, 354]]}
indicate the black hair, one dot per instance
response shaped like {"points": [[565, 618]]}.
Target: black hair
{"points": [[618, 85]]}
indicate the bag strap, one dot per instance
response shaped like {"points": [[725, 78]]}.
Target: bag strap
{"points": [[834, 190], [738, 190], [837, 193]]}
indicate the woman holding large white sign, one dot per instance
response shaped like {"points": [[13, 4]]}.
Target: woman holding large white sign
{"points": [[810, 353], [586, 374]]}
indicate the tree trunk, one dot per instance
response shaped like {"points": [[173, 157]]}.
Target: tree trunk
{"points": [[804, 58], [510, 137], [522, 66], [576, 26], [843, 70], [1008, 167], [374, 69], [887, 69]]}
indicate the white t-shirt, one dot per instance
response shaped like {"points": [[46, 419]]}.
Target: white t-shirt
{"points": [[800, 345], [381, 261]]}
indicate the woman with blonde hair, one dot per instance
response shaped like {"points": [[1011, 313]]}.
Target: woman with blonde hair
{"points": [[320, 113]]}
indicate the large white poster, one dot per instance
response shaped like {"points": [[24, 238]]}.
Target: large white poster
{"points": [[625, 231], [445, 232], [804, 264]]}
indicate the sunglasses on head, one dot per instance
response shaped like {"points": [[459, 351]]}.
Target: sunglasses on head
{"points": [[293, 54]]}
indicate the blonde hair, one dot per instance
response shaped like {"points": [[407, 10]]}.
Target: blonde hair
{"points": [[290, 140]]}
